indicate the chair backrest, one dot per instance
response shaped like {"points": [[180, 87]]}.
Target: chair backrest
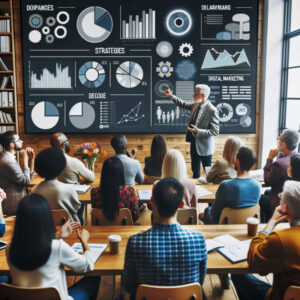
{"points": [[292, 293], [60, 217], [150, 179], [124, 218], [11, 292], [239, 215], [187, 216], [180, 292]]}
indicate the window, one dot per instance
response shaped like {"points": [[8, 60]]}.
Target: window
{"points": [[290, 83]]}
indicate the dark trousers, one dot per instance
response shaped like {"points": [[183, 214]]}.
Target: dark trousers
{"points": [[197, 159], [85, 289], [265, 207], [248, 287], [80, 213]]}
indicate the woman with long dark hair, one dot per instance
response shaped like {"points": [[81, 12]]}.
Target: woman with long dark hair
{"points": [[154, 162], [37, 259], [112, 193]]}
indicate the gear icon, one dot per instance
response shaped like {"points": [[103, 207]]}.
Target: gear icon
{"points": [[35, 21], [186, 49], [49, 38], [50, 21], [164, 69], [34, 36]]}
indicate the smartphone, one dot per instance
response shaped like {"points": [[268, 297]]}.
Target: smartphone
{"points": [[2, 245]]}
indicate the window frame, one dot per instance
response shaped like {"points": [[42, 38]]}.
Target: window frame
{"points": [[287, 35]]}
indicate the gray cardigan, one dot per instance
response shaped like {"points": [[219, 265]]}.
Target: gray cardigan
{"points": [[14, 181], [207, 123]]}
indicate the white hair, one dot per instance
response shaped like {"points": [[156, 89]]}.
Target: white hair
{"points": [[204, 89], [291, 196], [174, 165]]}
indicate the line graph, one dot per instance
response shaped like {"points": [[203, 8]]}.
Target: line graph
{"points": [[133, 115]]}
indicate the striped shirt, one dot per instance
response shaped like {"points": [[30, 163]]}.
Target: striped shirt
{"points": [[164, 255]]}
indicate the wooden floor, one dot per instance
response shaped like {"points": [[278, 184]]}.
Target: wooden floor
{"points": [[212, 286]]}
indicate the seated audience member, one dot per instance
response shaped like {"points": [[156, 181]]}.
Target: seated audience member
{"points": [[224, 168], [2, 220], [112, 193], [275, 173], [241, 192], [132, 168], [2, 226], [37, 259], [154, 162], [166, 254], [74, 169], [276, 251], [14, 179], [293, 170], [59, 195], [174, 166]]}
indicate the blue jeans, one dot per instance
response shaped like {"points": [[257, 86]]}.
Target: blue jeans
{"points": [[85, 289], [80, 213], [196, 160], [248, 287]]}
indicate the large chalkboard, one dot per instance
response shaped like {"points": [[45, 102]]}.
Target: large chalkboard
{"points": [[101, 66]]}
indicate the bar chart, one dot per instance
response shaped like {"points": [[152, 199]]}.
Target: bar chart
{"points": [[48, 80], [140, 27]]}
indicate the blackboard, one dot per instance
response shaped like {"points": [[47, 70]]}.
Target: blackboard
{"points": [[101, 66]]}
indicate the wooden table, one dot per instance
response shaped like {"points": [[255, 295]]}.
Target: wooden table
{"points": [[85, 198], [109, 264]]}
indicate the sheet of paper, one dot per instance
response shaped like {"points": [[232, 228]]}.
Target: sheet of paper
{"points": [[80, 188], [212, 245], [145, 194], [236, 252], [202, 191], [96, 249]]}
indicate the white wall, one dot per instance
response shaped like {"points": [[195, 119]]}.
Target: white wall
{"points": [[271, 77]]}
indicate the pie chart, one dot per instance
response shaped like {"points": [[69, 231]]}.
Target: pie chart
{"points": [[45, 115], [91, 74], [129, 74], [94, 24], [82, 115]]}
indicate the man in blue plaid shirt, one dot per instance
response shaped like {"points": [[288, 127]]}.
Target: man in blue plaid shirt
{"points": [[166, 254]]}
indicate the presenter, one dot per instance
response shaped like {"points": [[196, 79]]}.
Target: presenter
{"points": [[203, 126]]}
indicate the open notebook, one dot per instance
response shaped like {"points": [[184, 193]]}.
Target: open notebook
{"points": [[145, 195], [96, 249], [80, 188], [231, 248]]}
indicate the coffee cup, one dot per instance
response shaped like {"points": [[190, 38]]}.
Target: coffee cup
{"points": [[114, 243], [252, 226]]}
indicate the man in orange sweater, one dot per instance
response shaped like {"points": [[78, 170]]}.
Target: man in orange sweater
{"points": [[275, 251]]}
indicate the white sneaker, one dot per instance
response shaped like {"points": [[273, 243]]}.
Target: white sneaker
{"points": [[202, 180]]}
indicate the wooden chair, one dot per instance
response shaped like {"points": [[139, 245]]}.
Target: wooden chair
{"points": [[239, 215], [150, 179], [124, 218], [60, 217], [187, 216], [292, 293], [11, 292], [180, 292]]}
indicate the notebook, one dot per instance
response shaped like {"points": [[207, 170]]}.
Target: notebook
{"points": [[80, 188], [202, 191], [145, 195], [96, 249], [231, 248]]}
